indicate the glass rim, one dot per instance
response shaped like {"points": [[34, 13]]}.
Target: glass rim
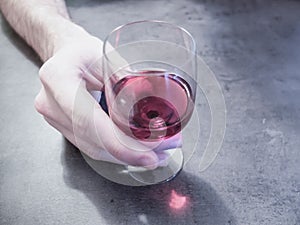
{"points": [[193, 47]]}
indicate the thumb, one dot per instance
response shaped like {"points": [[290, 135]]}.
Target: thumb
{"points": [[93, 125], [120, 146]]}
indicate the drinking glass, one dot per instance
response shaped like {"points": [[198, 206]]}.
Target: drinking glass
{"points": [[150, 86]]}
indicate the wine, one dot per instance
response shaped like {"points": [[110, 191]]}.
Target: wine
{"points": [[151, 106]]}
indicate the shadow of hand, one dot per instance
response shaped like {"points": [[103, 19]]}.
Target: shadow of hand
{"points": [[185, 200]]}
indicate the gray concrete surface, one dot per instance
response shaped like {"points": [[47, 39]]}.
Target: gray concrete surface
{"points": [[254, 49]]}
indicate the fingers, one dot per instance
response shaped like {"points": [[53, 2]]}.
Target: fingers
{"points": [[63, 130], [92, 131], [68, 106], [89, 118], [92, 83], [91, 150], [90, 124], [47, 106], [121, 146]]}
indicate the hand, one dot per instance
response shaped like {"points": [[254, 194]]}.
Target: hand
{"points": [[65, 100]]}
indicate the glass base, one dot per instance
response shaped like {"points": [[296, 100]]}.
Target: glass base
{"points": [[139, 176], [167, 170]]}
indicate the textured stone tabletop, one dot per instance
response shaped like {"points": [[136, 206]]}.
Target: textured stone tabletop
{"points": [[253, 47]]}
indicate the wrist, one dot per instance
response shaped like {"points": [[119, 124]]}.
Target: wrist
{"points": [[62, 33]]}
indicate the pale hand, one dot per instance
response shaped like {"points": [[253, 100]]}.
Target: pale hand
{"points": [[65, 100]]}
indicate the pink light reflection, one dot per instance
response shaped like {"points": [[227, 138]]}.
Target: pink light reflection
{"points": [[177, 201]]}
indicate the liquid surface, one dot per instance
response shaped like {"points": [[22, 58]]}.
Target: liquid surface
{"points": [[151, 107]]}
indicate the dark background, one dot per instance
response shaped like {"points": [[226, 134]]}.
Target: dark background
{"points": [[253, 47]]}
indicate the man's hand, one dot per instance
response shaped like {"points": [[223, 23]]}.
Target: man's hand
{"points": [[70, 73], [66, 103]]}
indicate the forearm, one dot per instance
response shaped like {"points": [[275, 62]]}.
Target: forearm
{"points": [[44, 24]]}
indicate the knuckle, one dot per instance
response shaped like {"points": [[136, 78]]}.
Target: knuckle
{"points": [[40, 105], [47, 72]]}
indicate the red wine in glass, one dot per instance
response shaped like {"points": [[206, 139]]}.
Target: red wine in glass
{"points": [[151, 105]]}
